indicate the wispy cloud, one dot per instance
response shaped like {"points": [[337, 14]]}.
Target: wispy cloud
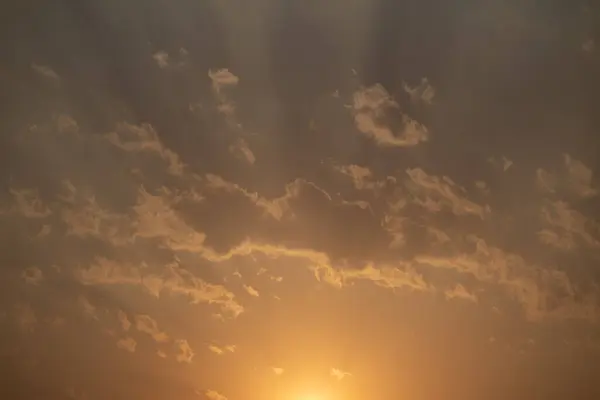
{"points": [[371, 105], [144, 139], [339, 374], [146, 324], [45, 71], [434, 193]]}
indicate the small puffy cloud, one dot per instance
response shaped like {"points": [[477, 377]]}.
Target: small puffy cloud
{"points": [[371, 105], [339, 374], [184, 354], [161, 58], [362, 177], [127, 344], [45, 71], [146, 324], [423, 92], [27, 203], [277, 370], [161, 354], [33, 275], [460, 292], [214, 395], [502, 163], [221, 78], [123, 320], [433, 193], [251, 291], [241, 150]]}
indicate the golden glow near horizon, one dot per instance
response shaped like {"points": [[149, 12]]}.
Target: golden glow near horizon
{"points": [[312, 396]]}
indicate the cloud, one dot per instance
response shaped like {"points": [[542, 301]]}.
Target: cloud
{"points": [[123, 320], [172, 279], [362, 177], [28, 204], [571, 222], [371, 105], [88, 308], [127, 344], [161, 58], [434, 193], [144, 139], [277, 370], [251, 291], [33, 275], [222, 350], [241, 150], [579, 178], [545, 181], [423, 92], [185, 353], [551, 238], [146, 324], [277, 208], [84, 217], [339, 374], [45, 71], [460, 292], [542, 291], [576, 179], [214, 395], [222, 78], [504, 163]]}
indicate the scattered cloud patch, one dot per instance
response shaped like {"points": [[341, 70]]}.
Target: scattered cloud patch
{"points": [[423, 92], [370, 106], [460, 292], [339, 374], [127, 344], [184, 354], [146, 324], [251, 291], [214, 395]]}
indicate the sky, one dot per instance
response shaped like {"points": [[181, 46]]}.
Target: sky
{"points": [[300, 200]]}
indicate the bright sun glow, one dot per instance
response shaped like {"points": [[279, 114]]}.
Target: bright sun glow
{"points": [[311, 396]]}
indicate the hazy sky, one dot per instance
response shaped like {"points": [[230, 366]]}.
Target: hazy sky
{"points": [[300, 200]]}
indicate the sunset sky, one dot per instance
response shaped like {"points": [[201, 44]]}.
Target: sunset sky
{"points": [[300, 200]]}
